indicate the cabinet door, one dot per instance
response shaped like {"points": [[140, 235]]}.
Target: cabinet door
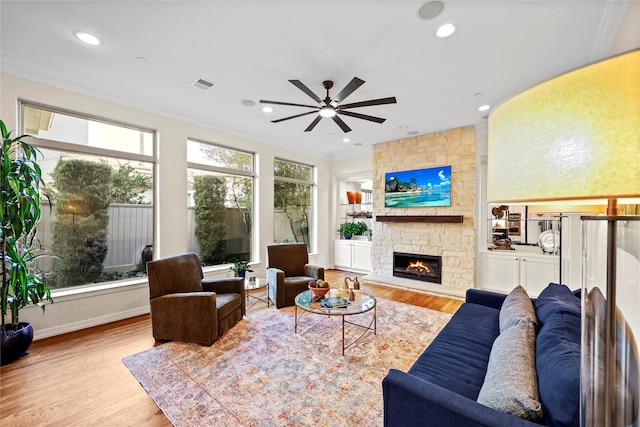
{"points": [[362, 257], [342, 254], [499, 273], [537, 273]]}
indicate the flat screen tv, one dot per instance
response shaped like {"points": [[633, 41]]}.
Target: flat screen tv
{"points": [[418, 188]]}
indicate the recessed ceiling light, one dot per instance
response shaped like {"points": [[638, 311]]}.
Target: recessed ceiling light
{"points": [[445, 30], [484, 107], [248, 102], [412, 132], [430, 9], [358, 144], [267, 109], [346, 140], [88, 38]]}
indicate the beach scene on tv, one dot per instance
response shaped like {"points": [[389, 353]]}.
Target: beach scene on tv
{"points": [[417, 188]]}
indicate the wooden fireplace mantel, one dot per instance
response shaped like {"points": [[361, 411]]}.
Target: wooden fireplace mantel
{"points": [[448, 219]]}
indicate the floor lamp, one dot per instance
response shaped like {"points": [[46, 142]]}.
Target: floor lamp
{"points": [[576, 139]]}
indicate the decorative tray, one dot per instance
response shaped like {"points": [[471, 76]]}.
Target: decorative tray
{"points": [[334, 303]]}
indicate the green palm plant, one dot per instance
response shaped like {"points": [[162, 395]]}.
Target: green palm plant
{"points": [[20, 183]]}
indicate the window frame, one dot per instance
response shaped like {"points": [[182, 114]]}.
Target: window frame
{"points": [[73, 148], [237, 172], [313, 184]]}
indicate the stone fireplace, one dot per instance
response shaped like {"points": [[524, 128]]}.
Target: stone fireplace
{"points": [[422, 230], [427, 268]]}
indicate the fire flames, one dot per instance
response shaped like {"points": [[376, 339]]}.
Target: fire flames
{"points": [[418, 267]]}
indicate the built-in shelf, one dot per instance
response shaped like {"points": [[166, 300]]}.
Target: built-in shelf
{"points": [[449, 219]]}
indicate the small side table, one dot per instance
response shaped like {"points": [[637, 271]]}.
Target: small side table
{"points": [[253, 283]]}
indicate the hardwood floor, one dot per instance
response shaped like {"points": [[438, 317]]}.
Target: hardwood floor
{"points": [[78, 379]]}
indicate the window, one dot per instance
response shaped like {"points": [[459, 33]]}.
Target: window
{"points": [[220, 191], [99, 185], [293, 191]]}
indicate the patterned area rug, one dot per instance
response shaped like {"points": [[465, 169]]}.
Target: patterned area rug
{"points": [[261, 373]]}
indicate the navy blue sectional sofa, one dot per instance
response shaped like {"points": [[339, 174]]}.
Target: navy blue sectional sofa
{"points": [[442, 386]]}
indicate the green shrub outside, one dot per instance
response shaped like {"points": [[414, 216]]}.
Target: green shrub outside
{"points": [[80, 228], [210, 216]]}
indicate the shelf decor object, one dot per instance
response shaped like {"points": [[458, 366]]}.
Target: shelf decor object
{"points": [[576, 139]]}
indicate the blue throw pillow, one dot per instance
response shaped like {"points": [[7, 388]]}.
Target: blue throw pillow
{"points": [[558, 368], [556, 298]]}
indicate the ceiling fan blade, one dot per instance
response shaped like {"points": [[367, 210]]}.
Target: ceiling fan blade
{"points": [[302, 87], [354, 84], [381, 101], [313, 123], [264, 101], [362, 116], [293, 117], [342, 124]]}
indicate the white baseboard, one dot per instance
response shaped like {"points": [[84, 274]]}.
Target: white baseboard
{"points": [[88, 323]]}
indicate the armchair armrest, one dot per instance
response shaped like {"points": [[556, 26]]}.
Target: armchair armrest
{"points": [[275, 278], [227, 285], [231, 285], [410, 401], [189, 316], [314, 271]]}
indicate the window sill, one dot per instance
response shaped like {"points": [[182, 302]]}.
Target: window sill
{"points": [[105, 287]]}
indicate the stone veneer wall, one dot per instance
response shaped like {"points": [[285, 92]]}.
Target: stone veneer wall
{"points": [[454, 242]]}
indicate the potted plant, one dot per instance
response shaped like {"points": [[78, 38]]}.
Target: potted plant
{"points": [[362, 228], [240, 267], [20, 182], [348, 229]]}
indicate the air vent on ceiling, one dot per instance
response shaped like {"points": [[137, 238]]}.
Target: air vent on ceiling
{"points": [[201, 83]]}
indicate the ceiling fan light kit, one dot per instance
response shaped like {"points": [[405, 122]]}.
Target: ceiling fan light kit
{"points": [[331, 108]]}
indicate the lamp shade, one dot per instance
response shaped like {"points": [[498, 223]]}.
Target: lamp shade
{"points": [[574, 137]]}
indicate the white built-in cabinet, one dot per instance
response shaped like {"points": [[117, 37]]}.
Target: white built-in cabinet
{"points": [[352, 255], [504, 271]]}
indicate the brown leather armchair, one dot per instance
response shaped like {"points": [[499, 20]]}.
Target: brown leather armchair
{"points": [[289, 272], [184, 307]]}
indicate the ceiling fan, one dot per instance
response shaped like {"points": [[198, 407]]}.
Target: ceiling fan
{"points": [[331, 107]]}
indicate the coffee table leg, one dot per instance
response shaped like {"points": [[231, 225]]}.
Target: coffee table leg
{"points": [[375, 320], [295, 327], [343, 335]]}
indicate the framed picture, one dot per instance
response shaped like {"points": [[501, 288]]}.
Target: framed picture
{"points": [[418, 188]]}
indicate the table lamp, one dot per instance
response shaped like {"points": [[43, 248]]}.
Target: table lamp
{"points": [[576, 139]]}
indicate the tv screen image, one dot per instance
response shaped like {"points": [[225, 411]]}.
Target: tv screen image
{"points": [[418, 188]]}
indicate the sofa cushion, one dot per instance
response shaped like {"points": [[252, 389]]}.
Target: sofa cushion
{"points": [[510, 384], [555, 298], [457, 358], [516, 308], [558, 366]]}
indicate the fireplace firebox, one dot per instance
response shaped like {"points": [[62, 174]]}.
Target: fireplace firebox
{"points": [[427, 268]]}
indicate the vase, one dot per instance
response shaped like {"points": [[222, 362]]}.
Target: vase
{"points": [[358, 197], [351, 197]]}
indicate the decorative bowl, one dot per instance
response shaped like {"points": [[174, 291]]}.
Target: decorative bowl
{"points": [[318, 292]]}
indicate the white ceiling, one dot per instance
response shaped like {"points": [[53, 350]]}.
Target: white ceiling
{"points": [[249, 49]]}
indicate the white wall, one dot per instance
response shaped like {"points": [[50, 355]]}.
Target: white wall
{"points": [[72, 310]]}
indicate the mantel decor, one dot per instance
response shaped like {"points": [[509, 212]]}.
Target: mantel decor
{"points": [[575, 139]]}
